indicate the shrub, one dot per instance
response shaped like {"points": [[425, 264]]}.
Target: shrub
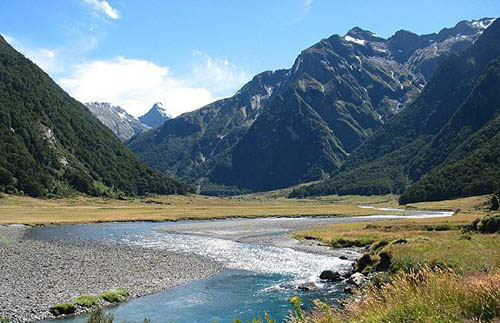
{"points": [[494, 203], [4, 319], [86, 300], [489, 224], [62, 309]]}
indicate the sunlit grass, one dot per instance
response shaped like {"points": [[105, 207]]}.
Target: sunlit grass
{"points": [[79, 209]]}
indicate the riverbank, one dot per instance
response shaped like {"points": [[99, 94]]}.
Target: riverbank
{"points": [[35, 275], [423, 270]]}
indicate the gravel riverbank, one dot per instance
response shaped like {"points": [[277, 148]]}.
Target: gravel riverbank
{"points": [[35, 275]]}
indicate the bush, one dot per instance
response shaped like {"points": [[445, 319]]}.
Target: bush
{"points": [[62, 309], [489, 224], [86, 300], [494, 203], [4, 319]]}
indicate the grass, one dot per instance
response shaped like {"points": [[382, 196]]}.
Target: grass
{"points": [[430, 295], [80, 209], [439, 271], [86, 301], [413, 243], [116, 296]]}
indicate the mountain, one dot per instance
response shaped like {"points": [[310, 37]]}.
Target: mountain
{"points": [[444, 145], [156, 116], [296, 125], [197, 143], [51, 144], [123, 125]]}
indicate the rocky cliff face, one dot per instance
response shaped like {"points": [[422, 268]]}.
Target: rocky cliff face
{"points": [[290, 126], [444, 144], [123, 125]]}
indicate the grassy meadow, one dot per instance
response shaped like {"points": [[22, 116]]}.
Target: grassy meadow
{"points": [[82, 209]]}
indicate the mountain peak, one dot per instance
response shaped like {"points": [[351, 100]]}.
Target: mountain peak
{"points": [[362, 34], [123, 125], [155, 116]]}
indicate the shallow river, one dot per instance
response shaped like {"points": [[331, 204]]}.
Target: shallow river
{"points": [[264, 266]]}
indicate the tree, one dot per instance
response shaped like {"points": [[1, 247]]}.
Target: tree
{"points": [[494, 203]]}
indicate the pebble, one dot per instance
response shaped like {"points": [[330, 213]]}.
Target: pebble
{"points": [[35, 275]]}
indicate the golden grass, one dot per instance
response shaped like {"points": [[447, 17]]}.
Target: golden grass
{"points": [[425, 241], [435, 295], [79, 209]]}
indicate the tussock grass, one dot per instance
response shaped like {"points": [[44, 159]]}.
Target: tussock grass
{"points": [[430, 295]]}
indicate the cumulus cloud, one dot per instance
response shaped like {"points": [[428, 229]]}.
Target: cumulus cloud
{"points": [[135, 85], [104, 7]]}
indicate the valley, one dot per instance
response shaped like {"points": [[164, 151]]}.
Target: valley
{"points": [[224, 162]]}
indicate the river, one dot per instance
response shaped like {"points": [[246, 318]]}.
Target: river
{"points": [[264, 265]]}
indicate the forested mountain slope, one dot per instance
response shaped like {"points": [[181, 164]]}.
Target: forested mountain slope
{"points": [[52, 144]]}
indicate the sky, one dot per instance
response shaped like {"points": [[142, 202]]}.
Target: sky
{"points": [[188, 53]]}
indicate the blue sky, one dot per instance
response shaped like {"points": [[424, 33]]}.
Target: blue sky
{"points": [[188, 53]]}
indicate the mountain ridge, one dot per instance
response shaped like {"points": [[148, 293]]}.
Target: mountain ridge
{"points": [[354, 83], [123, 125], [426, 136]]}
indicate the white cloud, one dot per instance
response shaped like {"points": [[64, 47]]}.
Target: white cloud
{"points": [[104, 7], [135, 85], [222, 77]]}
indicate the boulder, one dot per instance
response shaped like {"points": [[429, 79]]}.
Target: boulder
{"points": [[343, 258], [357, 279], [310, 286], [329, 275]]}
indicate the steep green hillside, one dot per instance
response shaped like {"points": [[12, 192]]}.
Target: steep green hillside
{"points": [[445, 128], [52, 144]]}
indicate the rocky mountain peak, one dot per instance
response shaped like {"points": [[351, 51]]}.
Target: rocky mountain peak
{"points": [[156, 116], [361, 34]]}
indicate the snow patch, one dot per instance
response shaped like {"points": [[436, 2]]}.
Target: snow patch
{"points": [[355, 40]]}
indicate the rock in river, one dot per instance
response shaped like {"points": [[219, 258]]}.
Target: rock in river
{"points": [[329, 275], [310, 286]]}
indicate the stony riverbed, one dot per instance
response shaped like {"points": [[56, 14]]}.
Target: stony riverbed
{"points": [[34, 275]]}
